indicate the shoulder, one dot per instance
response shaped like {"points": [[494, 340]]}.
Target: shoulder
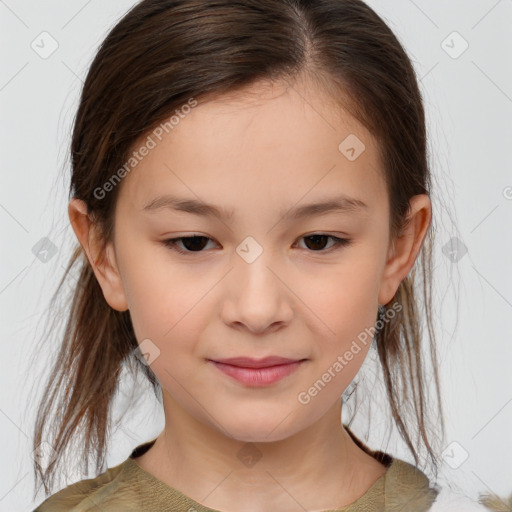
{"points": [[111, 491], [408, 488]]}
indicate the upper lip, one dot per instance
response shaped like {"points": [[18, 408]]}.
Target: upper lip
{"points": [[249, 362]]}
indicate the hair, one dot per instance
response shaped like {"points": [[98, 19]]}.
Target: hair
{"points": [[156, 58]]}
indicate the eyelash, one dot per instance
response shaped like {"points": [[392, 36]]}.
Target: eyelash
{"points": [[339, 243]]}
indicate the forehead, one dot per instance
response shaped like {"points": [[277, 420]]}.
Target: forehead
{"points": [[270, 140]]}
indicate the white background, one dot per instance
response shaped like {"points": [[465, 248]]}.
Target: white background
{"points": [[468, 100]]}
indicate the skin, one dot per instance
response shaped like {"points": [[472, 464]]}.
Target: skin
{"points": [[257, 153]]}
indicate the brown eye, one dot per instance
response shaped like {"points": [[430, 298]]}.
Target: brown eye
{"points": [[317, 242], [195, 244], [191, 243]]}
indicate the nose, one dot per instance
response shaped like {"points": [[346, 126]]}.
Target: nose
{"points": [[258, 298]]}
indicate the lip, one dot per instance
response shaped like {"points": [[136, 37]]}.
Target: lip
{"points": [[249, 362], [257, 372]]}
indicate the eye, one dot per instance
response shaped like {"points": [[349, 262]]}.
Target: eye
{"points": [[196, 243], [191, 243], [317, 241]]}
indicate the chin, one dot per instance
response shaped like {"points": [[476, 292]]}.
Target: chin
{"points": [[264, 430]]}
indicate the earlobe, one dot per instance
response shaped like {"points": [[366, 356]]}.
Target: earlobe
{"points": [[102, 260], [405, 248]]}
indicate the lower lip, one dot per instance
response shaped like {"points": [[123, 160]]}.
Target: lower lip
{"points": [[258, 377]]}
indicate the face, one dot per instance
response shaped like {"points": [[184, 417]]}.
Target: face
{"points": [[261, 279]]}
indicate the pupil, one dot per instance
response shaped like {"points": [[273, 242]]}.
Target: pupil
{"points": [[197, 243], [316, 239], [194, 245]]}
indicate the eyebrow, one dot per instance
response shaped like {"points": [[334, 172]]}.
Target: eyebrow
{"points": [[340, 203]]}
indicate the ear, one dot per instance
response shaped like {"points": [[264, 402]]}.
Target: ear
{"points": [[103, 263], [405, 248]]}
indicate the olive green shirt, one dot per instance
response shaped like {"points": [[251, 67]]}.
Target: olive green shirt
{"points": [[129, 488]]}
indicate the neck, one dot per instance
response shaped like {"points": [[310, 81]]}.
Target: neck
{"points": [[319, 467]]}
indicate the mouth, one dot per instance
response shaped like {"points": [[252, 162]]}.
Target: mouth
{"points": [[257, 372]]}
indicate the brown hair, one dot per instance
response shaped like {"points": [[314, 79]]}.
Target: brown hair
{"points": [[161, 54]]}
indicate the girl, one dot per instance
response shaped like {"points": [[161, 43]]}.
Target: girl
{"points": [[250, 192]]}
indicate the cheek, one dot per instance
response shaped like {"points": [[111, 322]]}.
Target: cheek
{"points": [[171, 308], [346, 305], [160, 298], [344, 296]]}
